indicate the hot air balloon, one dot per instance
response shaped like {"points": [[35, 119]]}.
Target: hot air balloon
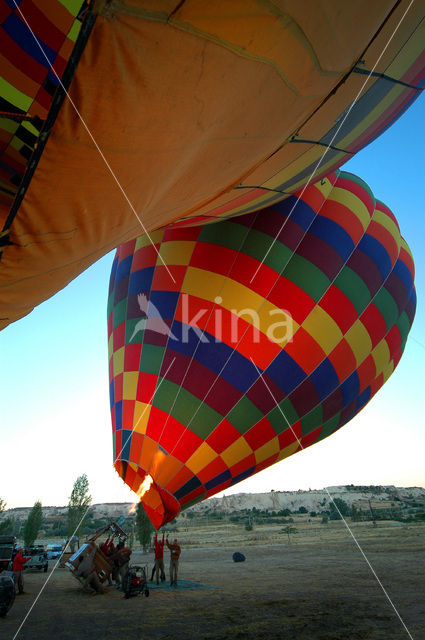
{"points": [[179, 112], [267, 333]]}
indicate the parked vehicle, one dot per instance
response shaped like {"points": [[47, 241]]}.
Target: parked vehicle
{"points": [[54, 551], [38, 558], [7, 544]]}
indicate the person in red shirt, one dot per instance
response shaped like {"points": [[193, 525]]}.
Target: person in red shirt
{"points": [[159, 558], [174, 560], [18, 569]]}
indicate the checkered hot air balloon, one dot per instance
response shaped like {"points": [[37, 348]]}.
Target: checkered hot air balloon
{"points": [[236, 344]]}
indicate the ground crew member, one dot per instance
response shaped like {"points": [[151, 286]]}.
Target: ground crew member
{"points": [[18, 569], [159, 558], [174, 560]]}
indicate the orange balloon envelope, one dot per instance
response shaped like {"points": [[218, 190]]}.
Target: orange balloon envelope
{"points": [[268, 333], [179, 112]]}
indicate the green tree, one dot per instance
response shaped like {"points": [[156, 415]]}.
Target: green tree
{"points": [[33, 524], [7, 524], [78, 505], [289, 531], [338, 507], [144, 527]]}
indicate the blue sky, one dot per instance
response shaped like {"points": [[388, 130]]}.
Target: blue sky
{"points": [[55, 420]]}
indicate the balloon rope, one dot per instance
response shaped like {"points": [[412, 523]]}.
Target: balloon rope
{"points": [[260, 374], [92, 138], [347, 113]]}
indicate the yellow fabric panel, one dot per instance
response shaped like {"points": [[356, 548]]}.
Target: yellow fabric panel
{"points": [[118, 365], [244, 65], [352, 202], [235, 298], [129, 384], [288, 451], [323, 329], [202, 456], [144, 240], [267, 450], [359, 341], [237, 451], [141, 416], [388, 371], [385, 221], [381, 356], [176, 252], [110, 346]]}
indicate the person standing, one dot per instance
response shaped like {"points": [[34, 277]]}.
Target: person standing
{"points": [[18, 569], [159, 559], [121, 559], [175, 551]]}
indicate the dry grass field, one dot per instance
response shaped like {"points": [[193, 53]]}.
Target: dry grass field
{"points": [[315, 587]]}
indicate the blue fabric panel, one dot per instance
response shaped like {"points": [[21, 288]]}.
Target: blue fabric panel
{"points": [[240, 372], [190, 486], [215, 482], [324, 378], [363, 398], [165, 302], [404, 274], [334, 235], [285, 372], [125, 445], [118, 415], [123, 269], [299, 211], [23, 37], [374, 249], [111, 394], [140, 281], [243, 475], [350, 388], [113, 274]]}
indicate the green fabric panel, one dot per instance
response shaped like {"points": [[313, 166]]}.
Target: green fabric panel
{"points": [[151, 361], [354, 288], [194, 501], [312, 420], [119, 313], [184, 407], [244, 415], [387, 306], [403, 326], [110, 305], [226, 234], [277, 420], [329, 427], [13, 95], [130, 327], [74, 31], [258, 244], [73, 6], [307, 276], [205, 420]]}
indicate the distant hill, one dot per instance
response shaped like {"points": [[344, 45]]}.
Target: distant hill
{"points": [[314, 500]]}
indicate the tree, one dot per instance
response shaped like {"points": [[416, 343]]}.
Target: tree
{"points": [[78, 505], [144, 527], [288, 530], [338, 507], [33, 524], [7, 524]]}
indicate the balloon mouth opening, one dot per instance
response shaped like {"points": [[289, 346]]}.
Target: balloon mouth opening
{"points": [[161, 506]]}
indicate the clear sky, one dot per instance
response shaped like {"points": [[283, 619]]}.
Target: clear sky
{"points": [[54, 417]]}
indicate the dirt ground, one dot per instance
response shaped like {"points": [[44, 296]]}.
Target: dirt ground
{"points": [[314, 588]]}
